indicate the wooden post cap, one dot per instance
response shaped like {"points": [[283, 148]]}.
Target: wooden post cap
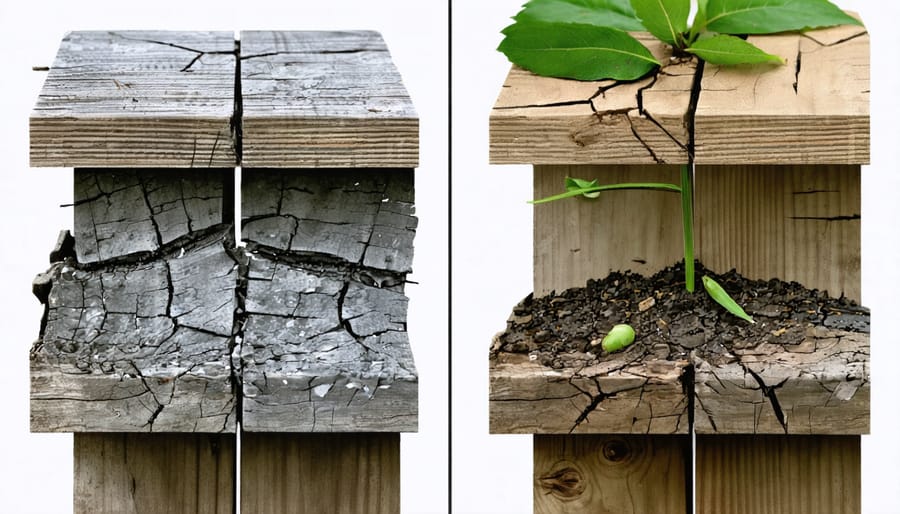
{"points": [[324, 100], [137, 99], [812, 110]]}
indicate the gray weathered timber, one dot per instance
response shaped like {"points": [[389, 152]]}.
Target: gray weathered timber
{"points": [[324, 343], [141, 346], [121, 213], [819, 386], [324, 99], [322, 351], [359, 217], [137, 99]]}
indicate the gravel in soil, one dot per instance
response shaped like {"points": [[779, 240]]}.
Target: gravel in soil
{"points": [[564, 329]]}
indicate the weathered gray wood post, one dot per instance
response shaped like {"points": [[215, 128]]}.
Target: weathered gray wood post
{"points": [[157, 321], [330, 140]]}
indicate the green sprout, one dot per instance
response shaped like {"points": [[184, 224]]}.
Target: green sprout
{"points": [[592, 189], [590, 40]]}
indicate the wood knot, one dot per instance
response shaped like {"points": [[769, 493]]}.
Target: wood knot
{"points": [[565, 483], [616, 450]]}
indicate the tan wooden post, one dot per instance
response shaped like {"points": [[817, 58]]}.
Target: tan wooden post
{"points": [[777, 153]]}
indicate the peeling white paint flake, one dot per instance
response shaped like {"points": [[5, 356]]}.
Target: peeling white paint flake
{"points": [[181, 254], [384, 386], [321, 390], [385, 200], [284, 381], [351, 385]]}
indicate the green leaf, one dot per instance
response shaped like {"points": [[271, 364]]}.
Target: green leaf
{"points": [[609, 187], [617, 14], [576, 51], [575, 184], [722, 298], [771, 16], [728, 50], [665, 19]]}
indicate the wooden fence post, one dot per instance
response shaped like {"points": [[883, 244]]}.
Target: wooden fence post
{"points": [[157, 321], [330, 138], [138, 328], [777, 154]]}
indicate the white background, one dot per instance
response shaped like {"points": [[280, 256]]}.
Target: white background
{"points": [[492, 262], [36, 475]]}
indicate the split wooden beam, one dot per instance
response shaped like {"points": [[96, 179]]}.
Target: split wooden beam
{"points": [[776, 154], [157, 320]]}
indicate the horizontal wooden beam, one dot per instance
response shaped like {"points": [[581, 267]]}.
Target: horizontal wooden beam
{"points": [[137, 99], [324, 100]]}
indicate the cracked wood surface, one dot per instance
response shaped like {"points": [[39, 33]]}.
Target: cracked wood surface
{"points": [[130, 213], [616, 397], [324, 343], [812, 110], [819, 386], [137, 99], [611, 474], [158, 473], [141, 346], [324, 100], [363, 218], [805, 226], [542, 120]]}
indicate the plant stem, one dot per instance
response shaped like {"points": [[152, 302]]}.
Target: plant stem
{"points": [[687, 220]]}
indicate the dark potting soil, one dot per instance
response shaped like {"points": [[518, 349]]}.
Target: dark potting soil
{"points": [[558, 330]]}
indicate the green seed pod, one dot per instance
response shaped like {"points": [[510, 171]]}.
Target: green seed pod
{"points": [[618, 338]]}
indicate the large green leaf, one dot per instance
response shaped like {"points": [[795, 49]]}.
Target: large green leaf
{"points": [[665, 19], [576, 50], [771, 16], [729, 50], [617, 14]]}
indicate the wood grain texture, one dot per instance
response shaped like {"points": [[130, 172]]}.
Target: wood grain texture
{"points": [[542, 120], [819, 386], [142, 346], [616, 397], [131, 213], [579, 238], [323, 100], [812, 110], [324, 343], [137, 99], [315, 473], [778, 474], [798, 223], [611, 474], [154, 474]]}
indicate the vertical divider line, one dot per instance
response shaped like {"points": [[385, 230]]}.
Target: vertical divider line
{"points": [[237, 128], [691, 463]]}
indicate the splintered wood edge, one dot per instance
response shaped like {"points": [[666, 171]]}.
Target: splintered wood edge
{"points": [[821, 386], [137, 99], [542, 120], [641, 398], [346, 107]]}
